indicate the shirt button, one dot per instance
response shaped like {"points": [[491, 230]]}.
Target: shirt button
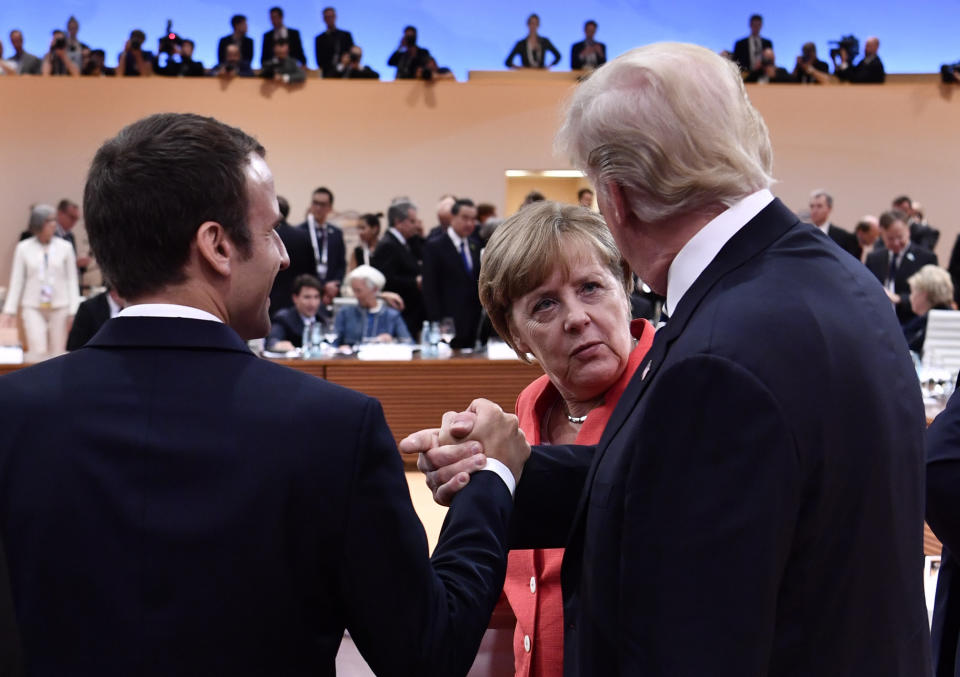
{"points": [[526, 643], [533, 585]]}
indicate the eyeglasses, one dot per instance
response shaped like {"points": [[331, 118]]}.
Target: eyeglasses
{"points": [[318, 203]]}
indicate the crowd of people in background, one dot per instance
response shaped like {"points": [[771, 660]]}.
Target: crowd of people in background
{"points": [[401, 273], [336, 55]]}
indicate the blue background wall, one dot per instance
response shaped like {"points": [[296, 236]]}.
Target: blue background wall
{"points": [[914, 36]]}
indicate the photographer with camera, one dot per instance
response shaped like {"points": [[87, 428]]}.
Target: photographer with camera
{"points": [[350, 66], [56, 61], [950, 73], [809, 68], [134, 59], [282, 67], [870, 68], [769, 71], [233, 66], [410, 59], [175, 58]]}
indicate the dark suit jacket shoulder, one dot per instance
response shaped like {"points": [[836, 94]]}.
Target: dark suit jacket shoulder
{"points": [[301, 263], [214, 513], [759, 410], [296, 46]]}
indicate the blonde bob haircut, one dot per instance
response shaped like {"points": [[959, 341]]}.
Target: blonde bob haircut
{"points": [[936, 282], [526, 249], [669, 123]]}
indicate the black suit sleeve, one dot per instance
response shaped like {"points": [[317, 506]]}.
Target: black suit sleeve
{"points": [[943, 475], [267, 51], [517, 51], [11, 658], [549, 47], [719, 483], [548, 495], [337, 256], [296, 46], [408, 616]]}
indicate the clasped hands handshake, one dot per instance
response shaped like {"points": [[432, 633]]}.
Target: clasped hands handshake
{"points": [[461, 445]]}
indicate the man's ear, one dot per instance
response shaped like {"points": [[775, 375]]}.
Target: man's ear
{"points": [[616, 200], [214, 247]]}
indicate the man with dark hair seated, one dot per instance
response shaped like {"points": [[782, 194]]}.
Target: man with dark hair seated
{"points": [[309, 306]]}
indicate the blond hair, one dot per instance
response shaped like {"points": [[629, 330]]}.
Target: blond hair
{"points": [[527, 248], [936, 282], [671, 124]]}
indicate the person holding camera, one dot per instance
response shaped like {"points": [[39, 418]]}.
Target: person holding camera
{"points": [[769, 71], [410, 59], [350, 66], [134, 59], [233, 66], [870, 68], [56, 61], [809, 68], [282, 67], [179, 61]]}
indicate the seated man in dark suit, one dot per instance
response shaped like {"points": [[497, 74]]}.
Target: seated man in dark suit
{"points": [[588, 53], [282, 67], [451, 266], [291, 35], [748, 52], [286, 330], [721, 525], [897, 261], [203, 511], [238, 38], [868, 71], [91, 315]]}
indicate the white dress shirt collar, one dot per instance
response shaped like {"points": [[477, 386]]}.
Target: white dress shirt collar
{"points": [[702, 248], [167, 310], [825, 227], [399, 236], [113, 305], [456, 239]]}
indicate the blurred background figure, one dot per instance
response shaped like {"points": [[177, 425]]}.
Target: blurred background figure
{"points": [[588, 53], [43, 287], [532, 49], [368, 232]]}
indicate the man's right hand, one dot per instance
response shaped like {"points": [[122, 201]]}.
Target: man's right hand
{"points": [[448, 454]]}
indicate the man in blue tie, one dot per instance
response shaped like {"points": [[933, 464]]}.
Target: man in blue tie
{"points": [[451, 267]]}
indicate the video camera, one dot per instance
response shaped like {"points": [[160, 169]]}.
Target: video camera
{"points": [[848, 42], [170, 40]]}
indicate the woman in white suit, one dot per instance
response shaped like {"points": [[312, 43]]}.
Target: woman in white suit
{"points": [[44, 286]]}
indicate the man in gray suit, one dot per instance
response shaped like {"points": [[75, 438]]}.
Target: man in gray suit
{"points": [[27, 64]]}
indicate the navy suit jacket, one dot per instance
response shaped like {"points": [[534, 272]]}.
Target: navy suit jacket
{"points": [[943, 479], [206, 512], [91, 315], [913, 259], [742, 488], [336, 252], [449, 290]]}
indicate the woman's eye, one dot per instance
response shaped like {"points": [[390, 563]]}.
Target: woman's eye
{"points": [[542, 304]]}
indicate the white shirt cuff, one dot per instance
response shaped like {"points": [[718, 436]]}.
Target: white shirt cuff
{"points": [[493, 465]]}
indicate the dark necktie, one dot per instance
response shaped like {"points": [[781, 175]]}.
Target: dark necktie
{"points": [[892, 271], [467, 263]]}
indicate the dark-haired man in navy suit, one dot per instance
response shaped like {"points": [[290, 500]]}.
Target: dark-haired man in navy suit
{"points": [[451, 267], [203, 511], [280, 31], [760, 455], [897, 261]]}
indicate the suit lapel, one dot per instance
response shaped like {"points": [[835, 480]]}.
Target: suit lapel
{"points": [[757, 235]]}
